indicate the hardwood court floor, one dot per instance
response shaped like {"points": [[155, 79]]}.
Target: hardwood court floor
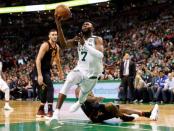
{"points": [[23, 118]]}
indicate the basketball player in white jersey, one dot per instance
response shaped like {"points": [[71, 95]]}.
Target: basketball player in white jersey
{"points": [[4, 88], [88, 69]]}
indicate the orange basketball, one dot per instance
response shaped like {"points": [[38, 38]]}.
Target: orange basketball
{"points": [[62, 11]]}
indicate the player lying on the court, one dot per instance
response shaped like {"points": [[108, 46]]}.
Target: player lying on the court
{"points": [[97, 112]]}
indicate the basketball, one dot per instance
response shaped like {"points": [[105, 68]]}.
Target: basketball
{"points": [[62, 11]]}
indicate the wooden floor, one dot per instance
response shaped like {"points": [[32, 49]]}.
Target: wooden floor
{"points": [[24, 111]]}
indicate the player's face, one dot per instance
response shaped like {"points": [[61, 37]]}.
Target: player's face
{"points": [[53, 36], [87, 26]]}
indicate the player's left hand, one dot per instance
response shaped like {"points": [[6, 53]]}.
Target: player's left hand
{"points": [[43, 86], [58, 19], [81, 38]]}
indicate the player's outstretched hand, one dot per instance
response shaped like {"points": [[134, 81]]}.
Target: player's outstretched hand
{"points": [[58, 19], [81, 38]]}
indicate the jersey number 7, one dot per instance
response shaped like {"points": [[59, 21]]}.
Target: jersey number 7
{"points": [[84, 53]]}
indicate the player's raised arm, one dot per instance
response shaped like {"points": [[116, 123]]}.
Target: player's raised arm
{"points": [[63, 42], [58, 63]]}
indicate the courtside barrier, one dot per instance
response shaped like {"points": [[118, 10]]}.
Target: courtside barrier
{"points": [[107, 89]]}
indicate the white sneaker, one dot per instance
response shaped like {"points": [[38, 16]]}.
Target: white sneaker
{"points": [[53, 119], [155, 113], [55, 115], [136, 116], [7, 107], [75, 107]]}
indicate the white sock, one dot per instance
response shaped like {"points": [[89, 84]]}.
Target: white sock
{"points": [[7, 94]]}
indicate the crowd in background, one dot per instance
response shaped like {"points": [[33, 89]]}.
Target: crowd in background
{"points": [[147, 36]]}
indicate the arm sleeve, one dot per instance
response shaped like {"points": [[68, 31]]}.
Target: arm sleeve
{"points": [[94, 52]]}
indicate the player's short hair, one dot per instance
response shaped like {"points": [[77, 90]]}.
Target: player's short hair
{"points": [[93, 24], [52, 30]]}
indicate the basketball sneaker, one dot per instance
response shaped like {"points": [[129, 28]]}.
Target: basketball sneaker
{"points": [[154, 113], [49, 115], [55, 115], [53, 119], [50, 111], [8, 107], [136, 116], [41, 112], [75, 107]]}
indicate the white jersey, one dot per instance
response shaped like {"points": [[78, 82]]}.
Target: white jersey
{"points": [[91, 65], [0, 68], [3, 84]]}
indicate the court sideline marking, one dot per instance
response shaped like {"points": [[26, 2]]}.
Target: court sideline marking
{"points": [[104, 125]]}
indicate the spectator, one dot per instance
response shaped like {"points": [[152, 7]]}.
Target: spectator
{"points": [[168, 88]]}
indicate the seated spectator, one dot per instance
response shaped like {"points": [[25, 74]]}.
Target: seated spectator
{"points": [[140, 87], [159, 85], [168, 88]]}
